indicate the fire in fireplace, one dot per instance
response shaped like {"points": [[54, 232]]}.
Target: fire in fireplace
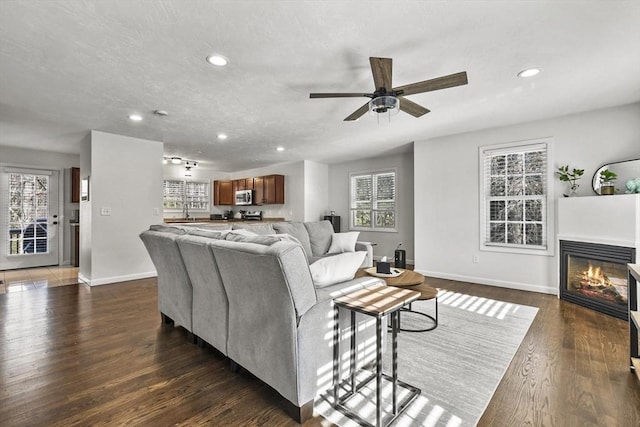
{"points": [[595, 276]]}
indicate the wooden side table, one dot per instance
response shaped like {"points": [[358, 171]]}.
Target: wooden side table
{"points": [[415, 281], [376, 301]]}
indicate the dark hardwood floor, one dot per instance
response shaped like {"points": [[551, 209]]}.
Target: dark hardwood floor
{"points": [[75, 355]]}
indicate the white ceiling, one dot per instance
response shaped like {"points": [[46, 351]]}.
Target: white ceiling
{"points": [[67, 67]]}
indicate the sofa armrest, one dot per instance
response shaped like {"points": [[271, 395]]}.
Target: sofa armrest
{"points": [[368, 248]]}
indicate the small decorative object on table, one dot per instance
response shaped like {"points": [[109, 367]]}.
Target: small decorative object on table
{"points": [[606, 182], [571, 177]]}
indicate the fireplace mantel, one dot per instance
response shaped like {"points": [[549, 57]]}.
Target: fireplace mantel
{"points": [[609, 220]]}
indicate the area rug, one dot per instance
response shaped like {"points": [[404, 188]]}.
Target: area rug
{"points": [[458, 365]]}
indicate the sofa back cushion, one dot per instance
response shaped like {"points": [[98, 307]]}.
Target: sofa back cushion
{"points": [[320, 233], [297, 230]]}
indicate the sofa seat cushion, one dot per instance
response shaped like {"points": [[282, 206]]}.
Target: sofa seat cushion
{"points": [[297, 230], [320, 233], [334, 269]]}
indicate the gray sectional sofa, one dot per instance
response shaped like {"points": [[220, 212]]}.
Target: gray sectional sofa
{"points": [[255, 293]]}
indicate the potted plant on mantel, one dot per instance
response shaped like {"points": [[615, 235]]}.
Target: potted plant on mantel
{"points": [[570, 176], [606, 182]]}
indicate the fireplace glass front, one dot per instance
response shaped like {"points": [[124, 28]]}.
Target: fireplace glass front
{"points": [[595, 276]]}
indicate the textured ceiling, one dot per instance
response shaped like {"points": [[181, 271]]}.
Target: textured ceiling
{"points": [[67, 67]]}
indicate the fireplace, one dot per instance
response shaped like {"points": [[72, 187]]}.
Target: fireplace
{"points": [[595, 276]]}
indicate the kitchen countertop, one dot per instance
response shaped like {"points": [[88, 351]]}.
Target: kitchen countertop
{"points": [[219, 221]]}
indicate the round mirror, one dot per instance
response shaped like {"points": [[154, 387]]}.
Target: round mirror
{"points": [[625, 171]]}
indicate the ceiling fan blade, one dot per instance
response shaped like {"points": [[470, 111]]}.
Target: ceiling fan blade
{"points": [[381, 69], [358, 113], [438, 83], [416, 110], [338, 95]]}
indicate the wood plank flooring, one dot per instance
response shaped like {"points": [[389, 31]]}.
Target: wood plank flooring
{"points": [[75, 355]]}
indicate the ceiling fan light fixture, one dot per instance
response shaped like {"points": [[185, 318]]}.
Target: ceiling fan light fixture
{"points": [[384, 104], [529, 72], [176, 160]]}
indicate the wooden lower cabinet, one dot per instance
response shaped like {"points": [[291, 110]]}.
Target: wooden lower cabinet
{"points": [[223, 193]]}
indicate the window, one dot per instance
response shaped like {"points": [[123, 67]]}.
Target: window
{"points": [[193, 195], [514, 191], [373, 201]]}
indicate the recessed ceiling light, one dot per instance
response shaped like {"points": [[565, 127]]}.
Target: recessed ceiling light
{"points": [[280, 148], [135, 117], [217, 60], [222, 136], [529, 72]]}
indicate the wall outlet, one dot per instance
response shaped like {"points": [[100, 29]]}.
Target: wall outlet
{"points": [[105, 211], [476, 258]]}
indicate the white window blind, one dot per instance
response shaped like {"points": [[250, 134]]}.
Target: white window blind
{"points": [[514, 190], [193, 195], [373, 201]]}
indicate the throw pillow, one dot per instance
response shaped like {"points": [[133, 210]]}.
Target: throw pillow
{"points": [[320, 233], [336, 268], [343, 242]]}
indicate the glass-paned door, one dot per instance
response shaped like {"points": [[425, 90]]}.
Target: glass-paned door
{"points": [[28, 218]]}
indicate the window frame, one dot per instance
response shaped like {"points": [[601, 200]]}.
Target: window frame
{"points": [[186, 198], [373, 227], [548, 219]]}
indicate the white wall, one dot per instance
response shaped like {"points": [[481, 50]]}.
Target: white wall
{"points": [[55, 161], [316, 190], [126, 178], [447, 202], [339, 201]]}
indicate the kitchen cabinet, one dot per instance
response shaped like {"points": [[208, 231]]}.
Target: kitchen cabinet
{"points": [[268, 190], [258, 190], [75, 185], [273, 190], [223, 193], [75, 245]]}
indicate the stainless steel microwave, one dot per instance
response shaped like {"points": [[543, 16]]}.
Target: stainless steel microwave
{"points": [[244, 197]]}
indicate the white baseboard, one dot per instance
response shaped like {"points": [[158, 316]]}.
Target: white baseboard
{"points": [[491, 282], [115, 279]]}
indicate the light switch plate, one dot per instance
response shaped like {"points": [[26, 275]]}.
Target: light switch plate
{"points": [[105, 211]]}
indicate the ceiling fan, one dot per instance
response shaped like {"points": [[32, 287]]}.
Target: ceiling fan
{"points": [[386, 98]]}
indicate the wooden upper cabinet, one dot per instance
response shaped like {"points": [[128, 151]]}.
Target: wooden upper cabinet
{"points": [[268, 190], [75, 185], [223, 193], [258, 187], [273, 188]]}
